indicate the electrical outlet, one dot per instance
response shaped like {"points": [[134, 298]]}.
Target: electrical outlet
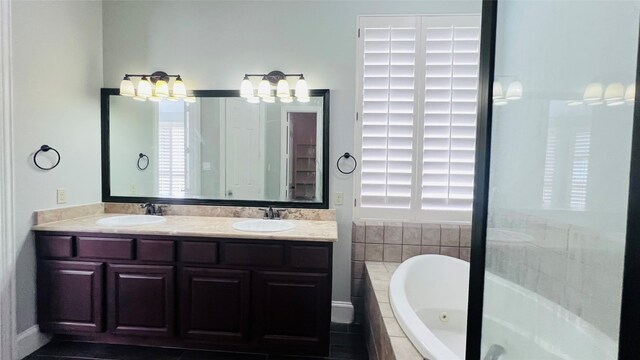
{"points": [[62, 196], [338, 198]]}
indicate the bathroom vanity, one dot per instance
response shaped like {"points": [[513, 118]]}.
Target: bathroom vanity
{"points": [[192, 282]]}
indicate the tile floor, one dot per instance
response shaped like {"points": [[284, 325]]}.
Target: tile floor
{"points": [[347, 342]]}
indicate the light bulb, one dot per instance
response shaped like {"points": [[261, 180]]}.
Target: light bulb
{"points": [[630, 94], [303, 99], [593, 92], [302, 89], [179, 90], [144, 87], [514, 91], [190, 99], [155, 98], [264, 88], [246, 88], [126, 87], [140, 98], [283, 89], [253, 99], [269, 99], [497, 90], [162, 88], [286, 100]]}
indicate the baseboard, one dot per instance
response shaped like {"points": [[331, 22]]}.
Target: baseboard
{"points": [[341, 312], [31, 340]]}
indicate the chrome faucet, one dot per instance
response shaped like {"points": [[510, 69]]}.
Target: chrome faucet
{"points": [[270, 213], [152, 209]]}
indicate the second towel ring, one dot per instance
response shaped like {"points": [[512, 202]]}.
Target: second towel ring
{"points": [[347, 156], [146, 165]]}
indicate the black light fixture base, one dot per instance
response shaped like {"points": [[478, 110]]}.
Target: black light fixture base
{"points": [[275, 76], [159, 75]]}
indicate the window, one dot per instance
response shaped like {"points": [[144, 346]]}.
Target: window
{"points": [[580, 169], [172, 176], [417, 95]]}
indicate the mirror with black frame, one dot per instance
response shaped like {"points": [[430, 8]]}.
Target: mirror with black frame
{"points": [[217, 149]]}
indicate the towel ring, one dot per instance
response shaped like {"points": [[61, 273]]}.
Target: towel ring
{"points": [[347, 156], [45, 148], [140, 157]]}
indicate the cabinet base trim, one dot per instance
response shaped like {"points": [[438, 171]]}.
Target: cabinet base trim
{"points": [[341, 312], [31, 340]]}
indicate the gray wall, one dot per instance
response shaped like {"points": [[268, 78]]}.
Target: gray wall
{"points": [[212, 44], [57, 75]]}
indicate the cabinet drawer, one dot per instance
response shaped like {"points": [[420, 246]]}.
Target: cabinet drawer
{"points": [[310, 257], [55, 246], [199, 252], [254, 254], [105, 248], [156, 250]]}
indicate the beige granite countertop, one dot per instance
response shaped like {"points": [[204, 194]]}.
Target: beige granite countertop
{"points": [[203, 226]]}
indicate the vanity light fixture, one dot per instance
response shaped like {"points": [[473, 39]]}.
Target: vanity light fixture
{"points": [[276, 79], [154, 87], [514, 91], [630, 94]]}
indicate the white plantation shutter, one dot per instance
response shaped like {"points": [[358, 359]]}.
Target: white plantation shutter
{"points": [[388, 97], [171, 154], [452, 46], [417, 157], [549, 167], [580, 169]]}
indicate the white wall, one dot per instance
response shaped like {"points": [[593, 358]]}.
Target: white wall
{"points": [[57, 75], [213, 44]]}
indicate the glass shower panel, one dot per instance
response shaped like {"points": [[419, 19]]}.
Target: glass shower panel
{"points": [[561, 143]]}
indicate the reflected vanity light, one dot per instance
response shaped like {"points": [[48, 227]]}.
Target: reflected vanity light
{"points": [[630, 94], [155, 87], [276, 79], [140, 98], [190, 99], [593, 93], [497, 90], [614, 94], [514, 91]]}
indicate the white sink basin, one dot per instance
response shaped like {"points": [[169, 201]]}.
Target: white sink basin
{"points": [[131, 220], [263, 225]]}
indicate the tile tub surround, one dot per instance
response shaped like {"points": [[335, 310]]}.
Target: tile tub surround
{"points": [[305, 230], [395, 241], [384, 338]]}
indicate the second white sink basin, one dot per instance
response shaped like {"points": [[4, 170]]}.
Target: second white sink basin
{"points": [[131, 220], [263, 225]]}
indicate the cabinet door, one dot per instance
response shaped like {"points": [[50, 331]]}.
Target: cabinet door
{"points": [[70, 296], [215, 304], [141, 300], [292, 309]]}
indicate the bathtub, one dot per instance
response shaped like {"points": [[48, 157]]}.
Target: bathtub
{"points": [[429, 296]]}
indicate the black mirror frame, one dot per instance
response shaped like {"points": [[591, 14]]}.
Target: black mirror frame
{"points": [[105, 93]]}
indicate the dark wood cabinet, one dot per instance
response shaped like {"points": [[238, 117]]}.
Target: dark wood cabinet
{"points": [[190, 292], [141, 300], [70, 296], [215, 304], [291, 309]]}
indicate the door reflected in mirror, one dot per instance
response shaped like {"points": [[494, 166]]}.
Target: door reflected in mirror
{"points": [[218, 148]]}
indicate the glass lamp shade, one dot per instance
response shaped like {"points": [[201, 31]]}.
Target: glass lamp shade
{"points": [[264, 88], [269, 99], [304, 99], [630, 94], [179, 90], [190, 99], [614, 92], [497, 90], [173, 98], [155, 98], [140, 98], [286, 100], [514, 91], [246, 88], [144, 87], [162, 88], [282, 90], [593, 92], [500, 102], [127, 88], [253, 99], [302, 89]]}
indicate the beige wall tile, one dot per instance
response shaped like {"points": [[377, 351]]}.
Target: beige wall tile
{"points": [[431, 234], [392, 253], [357, 269], [374, 232], [357, 251], [450, 235], [465, 253], [357, 287], [358, 231], [409, 251], [393, 232], [465, 235], [411, 233], [373, 252], [450, 251], [430, 249]]}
